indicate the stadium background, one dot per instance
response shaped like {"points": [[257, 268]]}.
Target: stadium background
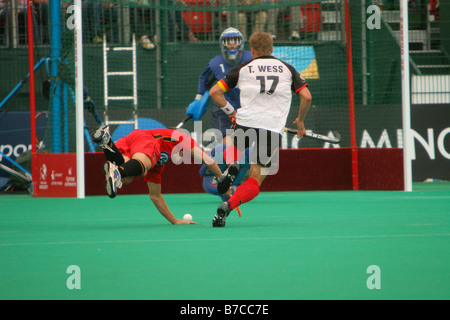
{"points": [[288, 245], [167, 75]]}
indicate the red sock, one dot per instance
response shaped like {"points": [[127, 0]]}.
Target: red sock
{"points": [[244, 193]]}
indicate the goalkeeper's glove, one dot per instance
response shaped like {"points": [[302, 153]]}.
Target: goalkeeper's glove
{"points": [[198, 107]]}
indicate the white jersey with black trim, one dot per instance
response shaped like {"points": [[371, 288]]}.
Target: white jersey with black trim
{"points": [[266, 86]]}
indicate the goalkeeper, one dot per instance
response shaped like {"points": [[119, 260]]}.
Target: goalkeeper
{"points": [[232, 47]]}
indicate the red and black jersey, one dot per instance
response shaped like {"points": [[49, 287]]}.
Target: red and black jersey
{"points": [[157, 144]]}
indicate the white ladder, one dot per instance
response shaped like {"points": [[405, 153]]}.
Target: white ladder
{"points": [[107, 74]]}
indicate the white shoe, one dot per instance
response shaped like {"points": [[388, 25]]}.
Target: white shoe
{"points": [[102, 137], [112, 179]]}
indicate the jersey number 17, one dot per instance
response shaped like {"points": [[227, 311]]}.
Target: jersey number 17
{"points": [[262, 80]]}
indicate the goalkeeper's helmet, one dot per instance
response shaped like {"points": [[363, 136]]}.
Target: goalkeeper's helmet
{"points": [[232, 45]]}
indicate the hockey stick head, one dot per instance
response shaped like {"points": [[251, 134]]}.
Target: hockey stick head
{"points": [[337, 135], [335, 140]]}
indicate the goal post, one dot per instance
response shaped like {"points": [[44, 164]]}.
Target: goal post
{"points": [[406, 94], [31, 77], [58, 170], [79, 105]]}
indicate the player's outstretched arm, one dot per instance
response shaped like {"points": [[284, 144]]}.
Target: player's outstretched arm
{"points": [[305, 103], [154, 190], [199, 154]]}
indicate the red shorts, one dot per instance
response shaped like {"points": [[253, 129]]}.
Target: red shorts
{"points": [[142, 141], [152, 143]]}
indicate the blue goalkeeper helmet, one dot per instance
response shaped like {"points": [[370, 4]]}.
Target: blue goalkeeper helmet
{"points": [[232, 45]]}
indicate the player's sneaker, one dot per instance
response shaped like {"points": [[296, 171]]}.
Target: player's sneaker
{"points": [[112, 179], [221, 216], [224, 182], [102, 137]]}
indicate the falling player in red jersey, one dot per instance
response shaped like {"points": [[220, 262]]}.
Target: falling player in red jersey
{"points": [[144, 153]]}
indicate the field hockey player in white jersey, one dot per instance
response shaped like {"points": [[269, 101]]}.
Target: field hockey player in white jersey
{"points": [[266, 86]]}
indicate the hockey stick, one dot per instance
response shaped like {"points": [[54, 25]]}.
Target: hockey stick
{"points": [[196, 109], [184, 121], [317, 136]]}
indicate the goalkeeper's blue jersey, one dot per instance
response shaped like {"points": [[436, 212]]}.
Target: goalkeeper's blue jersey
{"points": [[216, 70]]}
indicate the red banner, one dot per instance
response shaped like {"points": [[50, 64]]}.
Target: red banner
{"points": [[54, 175]]}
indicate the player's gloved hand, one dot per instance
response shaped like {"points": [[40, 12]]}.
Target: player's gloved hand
{"points": [[198, 108], [194, 108], [233, 122]]}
